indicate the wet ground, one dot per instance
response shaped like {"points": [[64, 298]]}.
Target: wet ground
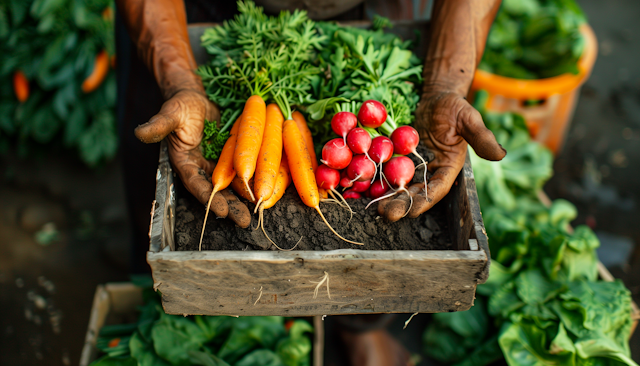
{"points": [[64, 228]]}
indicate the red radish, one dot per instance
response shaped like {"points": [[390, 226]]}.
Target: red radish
{"points": [[328, 178], [378, 189], [359, 142], [344, 180], [351, 194], [372, 114], [381, 151], [361, 169], [405, 140], [361, 186], [336, 154], [342, 123], [399, 171]]}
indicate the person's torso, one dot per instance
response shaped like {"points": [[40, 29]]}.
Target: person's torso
{"points": [[216, 11]]}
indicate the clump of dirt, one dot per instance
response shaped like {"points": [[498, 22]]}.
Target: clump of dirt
{"points": [[290, 219]]}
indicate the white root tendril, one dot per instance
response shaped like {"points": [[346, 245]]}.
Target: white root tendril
{"points": [[246, 184], [409, 320], [322, 280], [261, 222], [332, 230], [355, 179], [259, 296], [332, 190], [381, 198], [425, 171], [410, 200], [206, 214], [374, 166]]}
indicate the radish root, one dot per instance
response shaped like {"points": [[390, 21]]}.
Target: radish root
{"points": [[374, 165], [425, 171], [393, 194], [206, 215], [338, 235], [332, 191], [325, 278]]}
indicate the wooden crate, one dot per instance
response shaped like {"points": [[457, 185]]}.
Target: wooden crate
{"points": [[284, 283], [116, 303], [359, 281]]}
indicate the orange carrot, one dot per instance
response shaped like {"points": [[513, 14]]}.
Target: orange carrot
{"points": [[323, 193], [281, 185], [21, 86], [100, 70], [308, 139], [223, 173], [270, 155], [242, 189], [302, 170], [249, 140]]}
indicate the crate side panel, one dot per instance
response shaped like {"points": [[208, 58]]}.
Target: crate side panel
{"points": [[317, 285]]}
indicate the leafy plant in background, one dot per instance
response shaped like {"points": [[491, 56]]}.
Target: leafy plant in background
{"points": [[533, 39], [51, 47], [543, 303], [159, 339]]}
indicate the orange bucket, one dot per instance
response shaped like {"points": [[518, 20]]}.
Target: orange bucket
{"points": [[548, 120]]}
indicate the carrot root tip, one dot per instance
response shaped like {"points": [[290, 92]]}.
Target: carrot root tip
{"points": [[330, 227]]}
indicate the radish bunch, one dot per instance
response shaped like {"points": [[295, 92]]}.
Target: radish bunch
{"points": [[353, 160]]}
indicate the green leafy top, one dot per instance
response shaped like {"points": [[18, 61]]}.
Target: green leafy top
{"points": [[532, 39], [161, 339]]}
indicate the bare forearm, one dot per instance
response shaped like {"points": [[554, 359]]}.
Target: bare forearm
{"points": [[159, 30], [459, 30]]}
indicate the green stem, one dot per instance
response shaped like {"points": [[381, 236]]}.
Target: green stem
{"points": [[230, 121], [388, 126]]}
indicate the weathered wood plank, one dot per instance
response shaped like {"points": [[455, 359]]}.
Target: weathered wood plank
{"points": [[478, 231], [230, 283]]}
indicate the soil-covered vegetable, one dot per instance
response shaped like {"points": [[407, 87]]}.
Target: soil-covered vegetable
{"points": [[533, 39], [160, 339], [543, 303]]}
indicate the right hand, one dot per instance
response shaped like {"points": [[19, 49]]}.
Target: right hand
{"points": [[181, 121]]}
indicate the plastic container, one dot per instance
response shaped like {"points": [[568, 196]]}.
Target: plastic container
{"points": [[549, 119]]}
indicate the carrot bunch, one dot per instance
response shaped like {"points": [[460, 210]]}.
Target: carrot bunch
{"points": [[260, 59]]}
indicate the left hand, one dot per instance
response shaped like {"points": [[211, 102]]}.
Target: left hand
{"points": [[446, 123]]}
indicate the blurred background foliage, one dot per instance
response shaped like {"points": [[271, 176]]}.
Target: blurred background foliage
{"points": [[533, 39], [57, 83]]}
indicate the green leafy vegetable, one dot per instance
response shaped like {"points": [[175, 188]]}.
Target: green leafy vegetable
{"points": [[533, 39], [544, 304], [159, 339]]}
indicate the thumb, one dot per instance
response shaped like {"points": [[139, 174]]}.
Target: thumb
{"points": [[157, 128], [472, 129]]}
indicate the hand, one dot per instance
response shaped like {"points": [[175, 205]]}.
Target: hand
{"points": [[446, 123], [181, 120]]}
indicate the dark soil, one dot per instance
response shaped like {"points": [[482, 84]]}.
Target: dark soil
{"points": [[290, 219]]}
